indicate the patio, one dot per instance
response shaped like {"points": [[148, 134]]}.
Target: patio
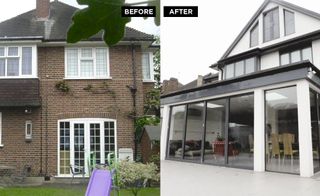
{"points": [[180, 178]]}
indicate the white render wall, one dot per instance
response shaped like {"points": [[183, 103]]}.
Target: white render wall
{"points": [[269, 60], [304, 121]]}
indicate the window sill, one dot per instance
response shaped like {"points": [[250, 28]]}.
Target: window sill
{"points": [[81, 78], [148, 81], [1, 145]]}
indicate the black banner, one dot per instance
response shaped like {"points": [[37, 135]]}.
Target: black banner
{"points": [[180, 11], [138, 11]]}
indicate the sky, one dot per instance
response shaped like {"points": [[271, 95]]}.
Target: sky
{"points": [[9, 9], [190, 45]]}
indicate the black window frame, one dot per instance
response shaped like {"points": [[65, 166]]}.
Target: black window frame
{"points": [[255, 26], [227, 112], [293, 50], [285, 24], [264, 24]]}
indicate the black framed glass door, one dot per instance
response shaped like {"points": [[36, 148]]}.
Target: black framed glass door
{"points": [[315, 130]]}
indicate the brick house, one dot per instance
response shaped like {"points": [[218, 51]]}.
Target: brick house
{"points": [[49, 129]]}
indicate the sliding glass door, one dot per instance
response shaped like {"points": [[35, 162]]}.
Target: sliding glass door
{"points": [[218, 132], [315, 120], [282, 141]]}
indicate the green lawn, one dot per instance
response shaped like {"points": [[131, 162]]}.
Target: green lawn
{"points": [[43, 191]]}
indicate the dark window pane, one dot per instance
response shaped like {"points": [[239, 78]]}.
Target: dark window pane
{"points": [[240, 135], [176, 131], [271, 25], [215, 132], [315, 129], [239, 68], [254, 35], [289, 22], [194, 132], [282, 130]]}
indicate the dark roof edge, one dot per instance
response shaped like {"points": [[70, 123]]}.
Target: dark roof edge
{"points": [[253, 18], [270, 71]]}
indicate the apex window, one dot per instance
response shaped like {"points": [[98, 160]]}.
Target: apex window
{"points": [[289, 26], [254, 35], [271, 25], [87, 63]]}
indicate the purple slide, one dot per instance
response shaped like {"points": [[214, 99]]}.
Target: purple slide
{"points": [[100, 183]]}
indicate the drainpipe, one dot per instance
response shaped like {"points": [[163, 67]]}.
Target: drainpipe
{"points": [[133, 90]]}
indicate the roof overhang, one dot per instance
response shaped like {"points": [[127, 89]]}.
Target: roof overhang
{"points": [[267, 77]]}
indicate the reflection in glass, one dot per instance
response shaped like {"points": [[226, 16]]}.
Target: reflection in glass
{"points": [[215, 132], [194, 132], [240, 136], [314, 129], [282, 143], [176, 132]]}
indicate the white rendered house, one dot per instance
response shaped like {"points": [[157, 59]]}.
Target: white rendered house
{"points": [[263, 113]]}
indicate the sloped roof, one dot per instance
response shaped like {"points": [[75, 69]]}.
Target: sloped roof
{"points": [[55, 28], [259, 11], [153, 132]]}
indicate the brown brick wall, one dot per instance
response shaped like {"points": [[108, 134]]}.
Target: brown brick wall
{"points": [[78, 103]]}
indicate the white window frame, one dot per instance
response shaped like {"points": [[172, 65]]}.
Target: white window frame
{"points": [[87, 58], [34, 73], [28, 136], [151, 64], [86, 122], [1, 144]]}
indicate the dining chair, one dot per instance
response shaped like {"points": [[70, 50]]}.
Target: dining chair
{"points": [[288, 140], [275, 146]]}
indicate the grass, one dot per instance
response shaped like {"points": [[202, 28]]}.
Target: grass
{"points": [[44, 191]]}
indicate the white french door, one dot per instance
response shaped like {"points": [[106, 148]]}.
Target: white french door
{"points": [[81, 139]]}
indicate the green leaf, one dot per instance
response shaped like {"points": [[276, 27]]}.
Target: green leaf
{"points": [[99, 15]]}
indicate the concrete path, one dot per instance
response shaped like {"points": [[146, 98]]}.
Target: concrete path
{"points": [[188, 179]]}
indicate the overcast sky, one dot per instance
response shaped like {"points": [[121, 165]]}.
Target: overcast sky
{"points": [[11, 8], [190, 45]]}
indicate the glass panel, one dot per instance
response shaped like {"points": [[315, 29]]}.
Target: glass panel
{"points": [[314, 130], [72, 62], [254, 36], [146, 66], [95, 142], [250, 65], [86, 52], [108, 134], [240, 135], [2, 51], [271, 25], [215, 132], [295, 56], [307, 54], [26, 61], [86, 68], [289, 22], [101, 62], [239, 68], [285, 59], [13, 51], [194, 132], [64, 148], [13, 67], [79, 145], [282, 140], [2, 67], [229, 69], [176, 132]]}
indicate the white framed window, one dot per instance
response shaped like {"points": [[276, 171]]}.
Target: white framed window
{"points": [[81, 138], [18, 62], [147, 67], [1, 144], [271, 28], [87, 63], [28, 130]]}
